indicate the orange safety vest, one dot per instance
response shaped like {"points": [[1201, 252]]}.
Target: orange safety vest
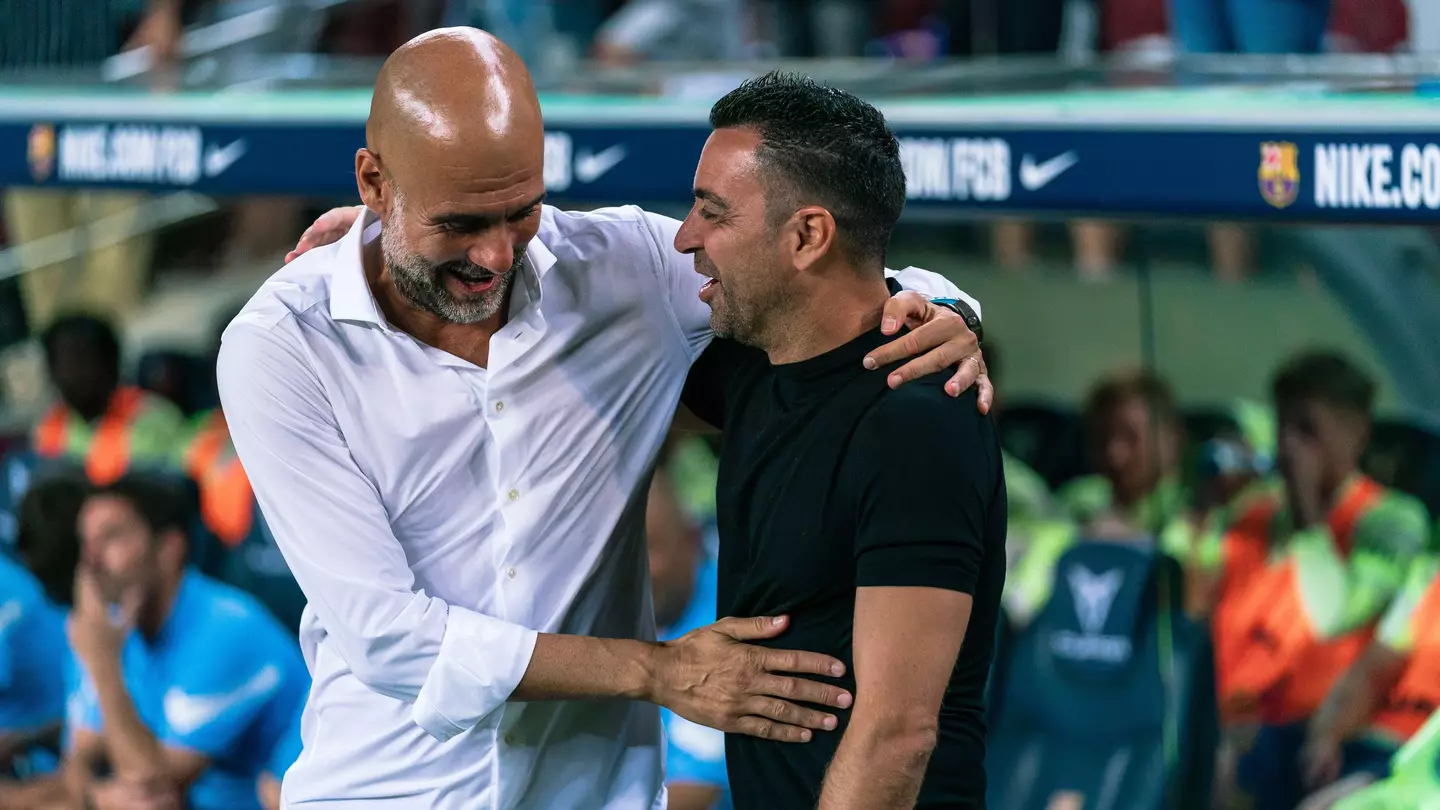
{"points": [[1416, 695], [227, 502], [1268, 664], [109, 454]]}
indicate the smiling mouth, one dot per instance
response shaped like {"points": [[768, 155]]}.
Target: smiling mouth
{"points": [[473, 282], [707, 290]]}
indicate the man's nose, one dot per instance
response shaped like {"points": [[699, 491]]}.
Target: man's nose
{"points": [[687, 238], [493, 250]]}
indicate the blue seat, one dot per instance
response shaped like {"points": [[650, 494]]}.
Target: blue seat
{"points": [[1103, 692]]}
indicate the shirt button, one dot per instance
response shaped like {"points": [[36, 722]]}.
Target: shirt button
{"points": [[514, 495], [499, 406], [509, 739], [510, 572]]}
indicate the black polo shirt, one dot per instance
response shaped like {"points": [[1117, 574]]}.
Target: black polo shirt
{"points": [[831, 481]]}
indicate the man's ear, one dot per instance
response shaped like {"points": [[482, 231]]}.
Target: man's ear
{"points": [[812, 236], [370, 180]]}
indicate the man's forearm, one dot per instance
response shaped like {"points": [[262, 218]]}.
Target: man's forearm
{"points": [[877, 767], [577, 667], [133, 750]]}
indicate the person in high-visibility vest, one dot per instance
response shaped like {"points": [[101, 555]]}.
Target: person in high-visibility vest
{"points": [[1298, 578], [1387, 694], [1135, 430], [104, 426], [1413, 784]]}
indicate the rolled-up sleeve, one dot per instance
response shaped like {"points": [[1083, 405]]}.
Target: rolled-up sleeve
{"points": [[455, 665]]}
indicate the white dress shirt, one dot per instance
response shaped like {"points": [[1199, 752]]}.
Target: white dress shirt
{"points": [[439, 515]]}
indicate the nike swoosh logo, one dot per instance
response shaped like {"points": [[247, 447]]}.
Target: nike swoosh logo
{"points": [[186, 713], [220, 158], [589, 168], [1035, 176]]}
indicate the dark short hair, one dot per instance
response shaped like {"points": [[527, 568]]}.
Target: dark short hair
{"points": [[94, 331], [162, 505], [46, 534], [822, 146], [1141, 384], [1325, 376]]}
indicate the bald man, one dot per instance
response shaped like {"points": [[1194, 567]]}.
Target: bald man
{"points": [[450, 417]]}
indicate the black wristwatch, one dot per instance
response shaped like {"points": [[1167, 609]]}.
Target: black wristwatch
{"points": [[962, 308]]}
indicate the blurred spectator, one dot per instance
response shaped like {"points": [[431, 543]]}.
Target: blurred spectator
{"points": [[827, 29], [182, 637], [1386, 696], [273, 775], [683, 580], [1368, 26], [663, 30], [1245, 26], [106, 426], [111, 274], [1299, 575], [1135, 432], [32, 644]]}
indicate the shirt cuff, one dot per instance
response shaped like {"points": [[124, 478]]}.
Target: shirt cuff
{"points": [[481, 661]]}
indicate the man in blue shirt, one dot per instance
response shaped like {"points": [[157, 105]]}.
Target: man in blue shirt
{"points": [[683, 580], [184, 686], [33, 650]]}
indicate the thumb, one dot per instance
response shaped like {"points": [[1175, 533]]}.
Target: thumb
{"points": [[753, 628]]}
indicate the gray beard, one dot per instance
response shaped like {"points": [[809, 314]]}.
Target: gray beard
{"points": [[420, 283]]}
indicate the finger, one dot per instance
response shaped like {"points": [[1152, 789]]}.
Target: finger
{"points": [[801, 690], [753, 628], [987, 393], [767, 729], [790, 714], [905, 307], [907, 345], [799, 661], [290, 257], [932, 362], [965, 376]]}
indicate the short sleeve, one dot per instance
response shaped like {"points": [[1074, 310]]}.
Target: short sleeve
{"points": [[216, 693], [287, 750], [925, 475], [694, 754], [12, 613]]}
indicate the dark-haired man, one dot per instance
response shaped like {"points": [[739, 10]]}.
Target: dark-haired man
{"points": [[184, 686], [106, 426], [1301, 574], [797, 191]]}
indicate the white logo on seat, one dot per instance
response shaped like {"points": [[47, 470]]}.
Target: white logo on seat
{"points": [[1094, 594]]}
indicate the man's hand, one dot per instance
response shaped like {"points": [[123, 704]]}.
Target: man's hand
{"points": [[327, 230], [938, 339], [96, 636], [1320, 761], [709, 677], [121, 794]]}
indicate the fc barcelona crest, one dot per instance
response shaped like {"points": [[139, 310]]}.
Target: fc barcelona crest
{"points": [[1279, 173], [41, 151]]}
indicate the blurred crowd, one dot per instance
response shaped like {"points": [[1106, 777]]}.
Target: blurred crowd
{"points": [[1300, 527]]}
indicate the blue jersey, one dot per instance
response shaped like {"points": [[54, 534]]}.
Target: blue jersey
{"points": [[695, 754], [222, 678], [33, 653]]}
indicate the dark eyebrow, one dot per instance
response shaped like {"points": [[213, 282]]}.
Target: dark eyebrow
{"points": [[711, 197], [466, 221]]}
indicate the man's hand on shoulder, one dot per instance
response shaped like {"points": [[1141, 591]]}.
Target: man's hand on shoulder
{"points": [[327, 230], [938, 339], [710, 676]]}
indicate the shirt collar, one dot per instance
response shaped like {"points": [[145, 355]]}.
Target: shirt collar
{"points": [[350, 295]]}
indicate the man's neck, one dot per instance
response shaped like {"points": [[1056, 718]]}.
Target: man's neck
{"points": [[843, 307]]}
